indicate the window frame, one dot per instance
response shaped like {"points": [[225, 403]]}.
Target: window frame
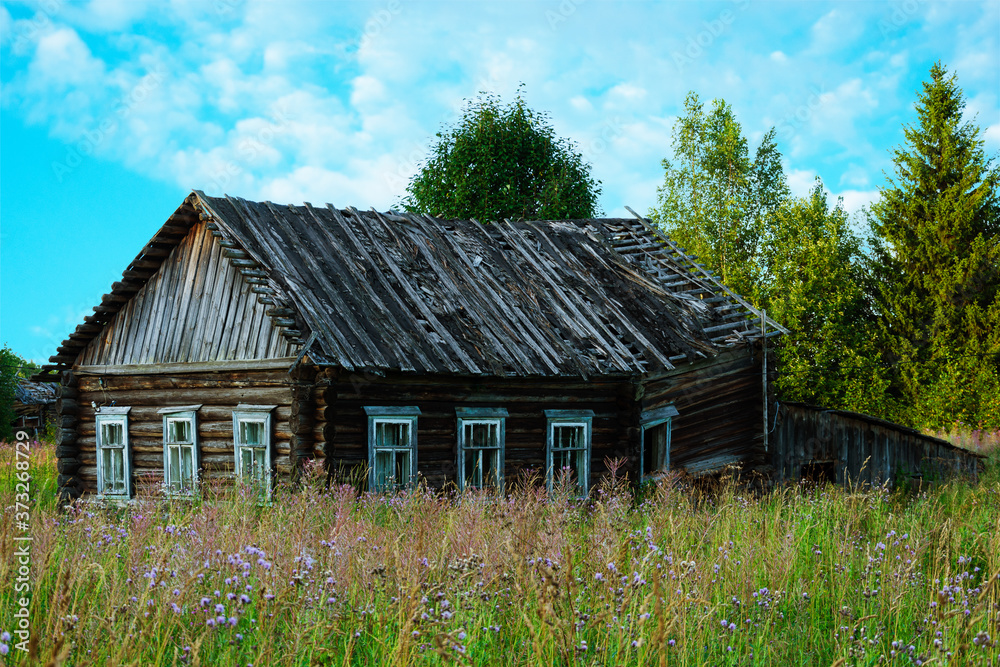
{"points": [[382, 414], [650, 419], [256, 414], [584, 418], [113, 415], [178, 413], [492, 416]]}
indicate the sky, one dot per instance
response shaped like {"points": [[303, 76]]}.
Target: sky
{"points": [[112, 111]]}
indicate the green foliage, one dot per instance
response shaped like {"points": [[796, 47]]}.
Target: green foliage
{"points": [[936, 259], [12, 369], [503, 162], [715, 201], [816, 287]]}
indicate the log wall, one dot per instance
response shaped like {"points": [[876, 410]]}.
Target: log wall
{"points": [[861, 449], [218, 393], [197, 307], [721, 420], [345, 431]]}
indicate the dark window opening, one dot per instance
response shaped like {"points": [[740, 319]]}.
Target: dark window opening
{"points": [[819, 472], [656, 448]]}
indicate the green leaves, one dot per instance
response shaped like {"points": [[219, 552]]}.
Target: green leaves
{"points": [[503, 162], [715, 201]]}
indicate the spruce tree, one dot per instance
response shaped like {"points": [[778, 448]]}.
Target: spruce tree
{"points": [[936, 252]]}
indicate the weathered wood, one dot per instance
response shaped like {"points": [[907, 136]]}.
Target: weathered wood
{"points": [[162, 321]]}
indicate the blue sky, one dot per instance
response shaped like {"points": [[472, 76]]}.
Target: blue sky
{"points": [[112, 110]]}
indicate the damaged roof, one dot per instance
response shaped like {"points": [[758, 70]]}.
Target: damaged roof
{"points": [[363, 290]]}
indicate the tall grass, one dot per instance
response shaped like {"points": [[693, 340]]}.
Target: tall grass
{"points": [[801, 575]]}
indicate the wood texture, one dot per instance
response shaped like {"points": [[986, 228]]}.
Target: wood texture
{"points": [[197, 308]]}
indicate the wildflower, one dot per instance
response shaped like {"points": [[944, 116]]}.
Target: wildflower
{"points": [[210, 622], [232, 621], [245, 599], [177, 592], [219, 609], [4, 649], [672, 642], [175, 608], [204, 602], [462, 635]]}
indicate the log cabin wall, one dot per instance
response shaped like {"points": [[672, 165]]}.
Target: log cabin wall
{"points": [[218, 393], [720, 418], [345, 431], [844, 447], [196, 308]]}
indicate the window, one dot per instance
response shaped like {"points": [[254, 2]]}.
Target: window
{"points": [[656, 440], [252, 438], [114, 465], [568, 447], [480, 447], [180, 449], [392, 447]]}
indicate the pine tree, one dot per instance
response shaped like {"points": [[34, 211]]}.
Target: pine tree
{"points": [[936, 251]]}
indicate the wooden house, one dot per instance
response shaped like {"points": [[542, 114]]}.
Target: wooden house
{"points": [[246, 337], [34, 407]]}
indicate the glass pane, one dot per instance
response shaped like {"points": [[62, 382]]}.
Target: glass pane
{"points": [[179, 430], [391, 434], [114, 471], [383, 470], [474, 468], [481, 467], [482, 435], [112, 434], [187, 468], [402, 472], [173, 468], [568, 436], [251, 433]]}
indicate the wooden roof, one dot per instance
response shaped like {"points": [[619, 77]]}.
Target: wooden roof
{"points": [[406, 292]]}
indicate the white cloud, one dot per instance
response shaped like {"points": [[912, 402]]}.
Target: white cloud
{"points": [[62, 60], [779, 57]]}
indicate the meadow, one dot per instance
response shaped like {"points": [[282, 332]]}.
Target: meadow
{"points": [[676, 575]]}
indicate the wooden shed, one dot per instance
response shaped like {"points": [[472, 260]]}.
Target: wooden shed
{"points": [[246, 337], [851, 448]]}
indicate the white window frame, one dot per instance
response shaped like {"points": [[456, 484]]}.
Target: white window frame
{"points": [[113, 415], [379, 414], [485, 416], [650, 419], [256, 414], [187, 413], [577, 418]]}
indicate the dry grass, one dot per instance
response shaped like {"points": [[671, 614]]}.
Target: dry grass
{"points": [[802, 575]]}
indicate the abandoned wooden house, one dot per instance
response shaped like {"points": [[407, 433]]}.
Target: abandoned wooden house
{"points": [[34, 407], [246, 338]]}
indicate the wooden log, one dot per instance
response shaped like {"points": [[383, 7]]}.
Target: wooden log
{"points": [[67, 406], [67, 466], [65, 436]]}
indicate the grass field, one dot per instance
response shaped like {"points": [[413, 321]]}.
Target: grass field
{"points": [[801, 575]]}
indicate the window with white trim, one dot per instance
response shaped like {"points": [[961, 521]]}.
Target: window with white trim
{"points": [[114, 464], [392, 447], [481, 434], [252, 441], [180, 449], [567, 450], [656, 425]]}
